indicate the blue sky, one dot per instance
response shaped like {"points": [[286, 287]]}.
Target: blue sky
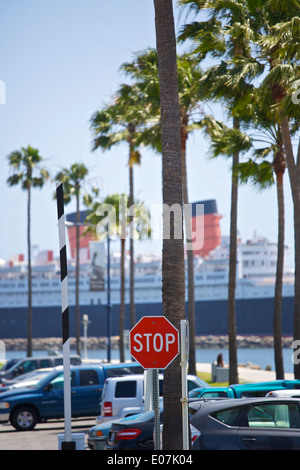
{"points": [[60, 62]]}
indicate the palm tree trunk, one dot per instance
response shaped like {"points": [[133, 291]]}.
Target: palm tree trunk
{"points": [[173, 275], [295, 188], [190, 261], [131, 248], [77, 308], [29, 320], [279, 367], [122, 301], [233, 369]]}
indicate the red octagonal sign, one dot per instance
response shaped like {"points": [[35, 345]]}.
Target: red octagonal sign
{"points": [[154, 342]]}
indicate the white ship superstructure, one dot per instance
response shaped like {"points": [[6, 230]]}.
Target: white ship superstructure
{"points": [[256, 269], [255, 286]]}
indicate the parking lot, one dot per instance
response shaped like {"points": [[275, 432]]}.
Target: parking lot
{"points": [[43, 437]]}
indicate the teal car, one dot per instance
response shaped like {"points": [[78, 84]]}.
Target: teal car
{"points": [[259, 389]]}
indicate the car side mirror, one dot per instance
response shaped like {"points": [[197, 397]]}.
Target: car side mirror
{"points": [[48, 387]]}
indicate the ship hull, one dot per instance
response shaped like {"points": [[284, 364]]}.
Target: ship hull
{"points": [[253, 316]]}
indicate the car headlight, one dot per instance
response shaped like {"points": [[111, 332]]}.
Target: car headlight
{"points": [[4, 405]]}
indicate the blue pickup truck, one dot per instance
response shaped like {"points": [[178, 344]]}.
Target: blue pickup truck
{"points": [[25, 407]]}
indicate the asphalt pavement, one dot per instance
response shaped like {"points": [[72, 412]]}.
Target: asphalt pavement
{"points": [[43, 437]]}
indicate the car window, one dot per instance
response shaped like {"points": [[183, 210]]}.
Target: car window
{"points": [[214, 394], [279, 415], [45, 363], [229, 416], [27, 366], [191, 385], [58, 381], [254, 393], [118, 371], [58, 361], [195, 393], [125, 389], [88, 377]]}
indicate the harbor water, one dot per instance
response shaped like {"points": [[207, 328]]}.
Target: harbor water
{"points": [[263, 357]]}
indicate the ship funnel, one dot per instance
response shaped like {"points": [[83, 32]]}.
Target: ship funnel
{"points": [[209, 223]]}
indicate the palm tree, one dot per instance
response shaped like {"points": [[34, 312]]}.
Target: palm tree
{"points": [[114, 210], [225, 34], [261, 117], [275, 27], [27, 172], [260, 172], [279, 46], [72, 179], [173, 278], [116, 123], [144, 69]]}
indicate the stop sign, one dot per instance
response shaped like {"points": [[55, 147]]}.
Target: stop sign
{"points": [[154, 342]]}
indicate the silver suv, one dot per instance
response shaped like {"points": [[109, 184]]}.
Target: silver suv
{"points": [[125, 396]]}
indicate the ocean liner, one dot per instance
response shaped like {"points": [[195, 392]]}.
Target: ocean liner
{"points": [[256, 267]]}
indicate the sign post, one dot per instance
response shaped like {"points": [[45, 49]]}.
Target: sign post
{"points": [[68, 444], [184, 366], [154, 343]]}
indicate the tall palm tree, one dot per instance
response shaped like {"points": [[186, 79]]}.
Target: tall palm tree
{"points": [[144, 69], [275, 27], [225, 34], [26, 171], [116, 123], [72, 179], [261, 117], [173, 276], [279, 47], [114, 210], [260, 172]]}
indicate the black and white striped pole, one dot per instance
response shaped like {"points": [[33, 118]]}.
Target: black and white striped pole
{"points": [[67, 444]]}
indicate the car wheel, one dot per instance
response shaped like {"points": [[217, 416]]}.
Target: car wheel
{"points": [[24, 418]]}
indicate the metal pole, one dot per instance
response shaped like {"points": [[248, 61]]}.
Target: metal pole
{"points": [[85, 321], [156, 410], [148, 389], [108, 301], [68, 444], [184, 366]]}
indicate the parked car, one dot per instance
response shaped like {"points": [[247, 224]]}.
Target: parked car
{"points": [[134, 434], [8, 364], [125, 396], [252, 424], [32, 363], [25, 407], [284, 394], [194, 433], [258, 389], [26, 380], [97, 434]]}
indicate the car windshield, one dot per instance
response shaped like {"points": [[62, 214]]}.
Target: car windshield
{"points": [[45, 380]]}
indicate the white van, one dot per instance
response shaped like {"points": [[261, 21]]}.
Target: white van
{"points": [[125, 396]]}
